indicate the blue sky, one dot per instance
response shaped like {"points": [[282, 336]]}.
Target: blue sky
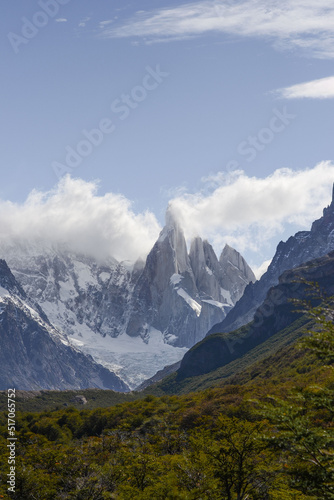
{"points": [[229, 71]]}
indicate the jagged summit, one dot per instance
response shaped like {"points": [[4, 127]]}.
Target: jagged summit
{"points": [[207, 270], [235, 271], [182, 294], [302, 247], [171, 219], [330, 207], [173, 240], [171, 244], [172, 225], [135, 318], [232, 256], [327, 220]]}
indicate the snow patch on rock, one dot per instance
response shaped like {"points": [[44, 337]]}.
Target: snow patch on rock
{"points": [[191, 302]]}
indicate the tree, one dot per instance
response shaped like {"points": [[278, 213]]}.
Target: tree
{"points": [[303, 423], [238, 458]]}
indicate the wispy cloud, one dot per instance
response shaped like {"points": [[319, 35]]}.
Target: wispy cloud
{"points": [[61, 20], [302, 24], [103, 24], [247, 212], [83, 22], [316, 89]]}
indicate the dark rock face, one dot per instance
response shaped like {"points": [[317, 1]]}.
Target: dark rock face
{"points": [[274, 315], [302, 247], [34, 355], [8, 281]]}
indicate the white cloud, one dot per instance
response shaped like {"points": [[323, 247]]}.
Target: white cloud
{"points": [[61, 20], [301, 24], [261, 269], [103, 24], [73, 214], [83, 22], [316, 89], [247, 212]]}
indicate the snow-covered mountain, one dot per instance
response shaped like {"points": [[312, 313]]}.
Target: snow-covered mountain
{"points": [[182, 294], [35, 355], [133, 319]]}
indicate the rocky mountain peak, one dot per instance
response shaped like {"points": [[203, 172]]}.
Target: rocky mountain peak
{"points": [[8, 281], [133, 317], [197, 257], [34, 354], [206, 269], [211, 259], [298, 249], [326, 222], [181, 294], [232, 257], [173, 243], [235, 272], [171, 218]]}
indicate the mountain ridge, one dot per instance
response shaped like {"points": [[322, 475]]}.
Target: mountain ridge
{"points": [[277, 325], [302, 247], [132, 319], [34, 355]]}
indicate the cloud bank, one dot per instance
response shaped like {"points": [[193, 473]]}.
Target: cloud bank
{"points": [[316, 89], [247, 212], [303, 25], [73, 214]]}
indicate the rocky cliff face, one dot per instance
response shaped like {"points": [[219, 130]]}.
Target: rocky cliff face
{"points": [[74, 289], [302, 247], [34, 355], [236, 272], [276, 313], [133, 319], [184, 295]]}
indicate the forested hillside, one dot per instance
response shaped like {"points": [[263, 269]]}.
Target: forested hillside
{"points": [[254, 438]]}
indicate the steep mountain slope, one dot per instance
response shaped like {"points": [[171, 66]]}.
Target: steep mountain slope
{"points": [[276, 324], [34, 355], [183, 295], [133, 319], [89, 302], [73, 289], [275, 314], [303, 246], [236, 273], [272, 355]]}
